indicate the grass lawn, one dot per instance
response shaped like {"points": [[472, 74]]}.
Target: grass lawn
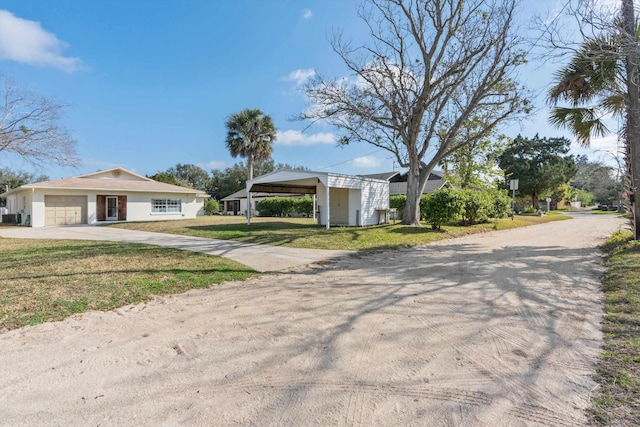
{"points": [[302, 233], [618, 400], [47, 280]]}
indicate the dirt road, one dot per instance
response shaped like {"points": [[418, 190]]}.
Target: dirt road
{"points": [[494, 329]]}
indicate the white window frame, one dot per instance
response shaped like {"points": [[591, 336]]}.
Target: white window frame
{"points": [[166, 206]]}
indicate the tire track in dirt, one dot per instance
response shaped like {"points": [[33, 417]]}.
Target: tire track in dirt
{"points": [[456, 333]]}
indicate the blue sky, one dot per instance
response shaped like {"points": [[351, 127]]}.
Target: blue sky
{"points": [[150, 83]]}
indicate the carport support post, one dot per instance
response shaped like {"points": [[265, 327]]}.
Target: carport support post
{"points": [[248, 207], [315, 209], [327, 208]]}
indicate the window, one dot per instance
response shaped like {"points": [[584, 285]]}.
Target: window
{"points": [[166, 205]]}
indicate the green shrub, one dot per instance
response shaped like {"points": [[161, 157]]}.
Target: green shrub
{"points": [[441, 207], [303, 205], [398, 202], [285, 206], [476, 206], [212, 207], [501, 203]]}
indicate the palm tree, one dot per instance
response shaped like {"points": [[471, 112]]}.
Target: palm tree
{"points": [[250, 134], [595, 84]]}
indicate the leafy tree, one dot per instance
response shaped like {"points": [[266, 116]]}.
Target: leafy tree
{"points": [[429, 67], [250, 134], [185, 175], [166, 177], [13, 179], [191, 175], [30, 127], [225, 182], [585, 197], [597, 178], [540, 164], [474, 163]]}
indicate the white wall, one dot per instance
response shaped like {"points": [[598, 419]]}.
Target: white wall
{"points": [[139, 206], [375, 195]]}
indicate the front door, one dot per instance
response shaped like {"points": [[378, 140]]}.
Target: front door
{"points": [[112, 208]]}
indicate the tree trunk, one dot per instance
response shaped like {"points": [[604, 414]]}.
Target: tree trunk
{"points": [[535, 202], [632, 53], [416, 178], [249, 167]]}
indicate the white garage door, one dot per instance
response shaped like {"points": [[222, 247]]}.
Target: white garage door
{"points": [[65, 210]]}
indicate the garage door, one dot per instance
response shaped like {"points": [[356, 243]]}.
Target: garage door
{"points": [[65, 210]]}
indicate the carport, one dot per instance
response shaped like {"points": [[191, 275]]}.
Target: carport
{"points": [[344, 200]]}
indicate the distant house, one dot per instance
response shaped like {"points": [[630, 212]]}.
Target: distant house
{"points": [[339, 199], [398, 182], [111, 195]]}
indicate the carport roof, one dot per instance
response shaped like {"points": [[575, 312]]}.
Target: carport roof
{"points": [[300, 182]]}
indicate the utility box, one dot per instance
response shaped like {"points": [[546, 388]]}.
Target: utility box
{"points": [[9, 219]]}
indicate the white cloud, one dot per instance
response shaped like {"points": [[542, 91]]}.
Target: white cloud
{"points": [[607, 143], [306, 14], [300, 76], [295, 137], [214, 164], [366, 162], [26, 41]]}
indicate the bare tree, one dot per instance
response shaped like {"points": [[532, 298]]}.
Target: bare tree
{"points": [[30, 127], [428, 67]]}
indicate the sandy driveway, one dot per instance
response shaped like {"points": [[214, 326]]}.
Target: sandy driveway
{"points": [[496, 329]]}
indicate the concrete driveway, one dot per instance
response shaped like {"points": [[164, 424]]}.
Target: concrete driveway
{"points": [[262, 258]]}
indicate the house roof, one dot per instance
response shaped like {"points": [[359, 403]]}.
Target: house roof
{"points": [[403, 177], [242, 194], [384, 175], [396, 188], [116, 179]]}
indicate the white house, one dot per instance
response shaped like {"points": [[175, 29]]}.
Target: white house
{"points": [[351, 200], [111, 195]]}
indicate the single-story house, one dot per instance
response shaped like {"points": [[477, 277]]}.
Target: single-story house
{"points": [[398, 182], [236, 203], [338, 199], [110, 195]]}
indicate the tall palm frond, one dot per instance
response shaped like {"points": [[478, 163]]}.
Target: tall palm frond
{"points": [[591, 84], [250, 134], [585, 123]]}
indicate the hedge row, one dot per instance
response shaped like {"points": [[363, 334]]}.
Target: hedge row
{"points": [[465, 207], [285, 206]]}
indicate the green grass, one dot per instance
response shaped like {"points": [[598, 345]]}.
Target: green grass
{"points": [[302, 233], [47, 280], [618, 400]]}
